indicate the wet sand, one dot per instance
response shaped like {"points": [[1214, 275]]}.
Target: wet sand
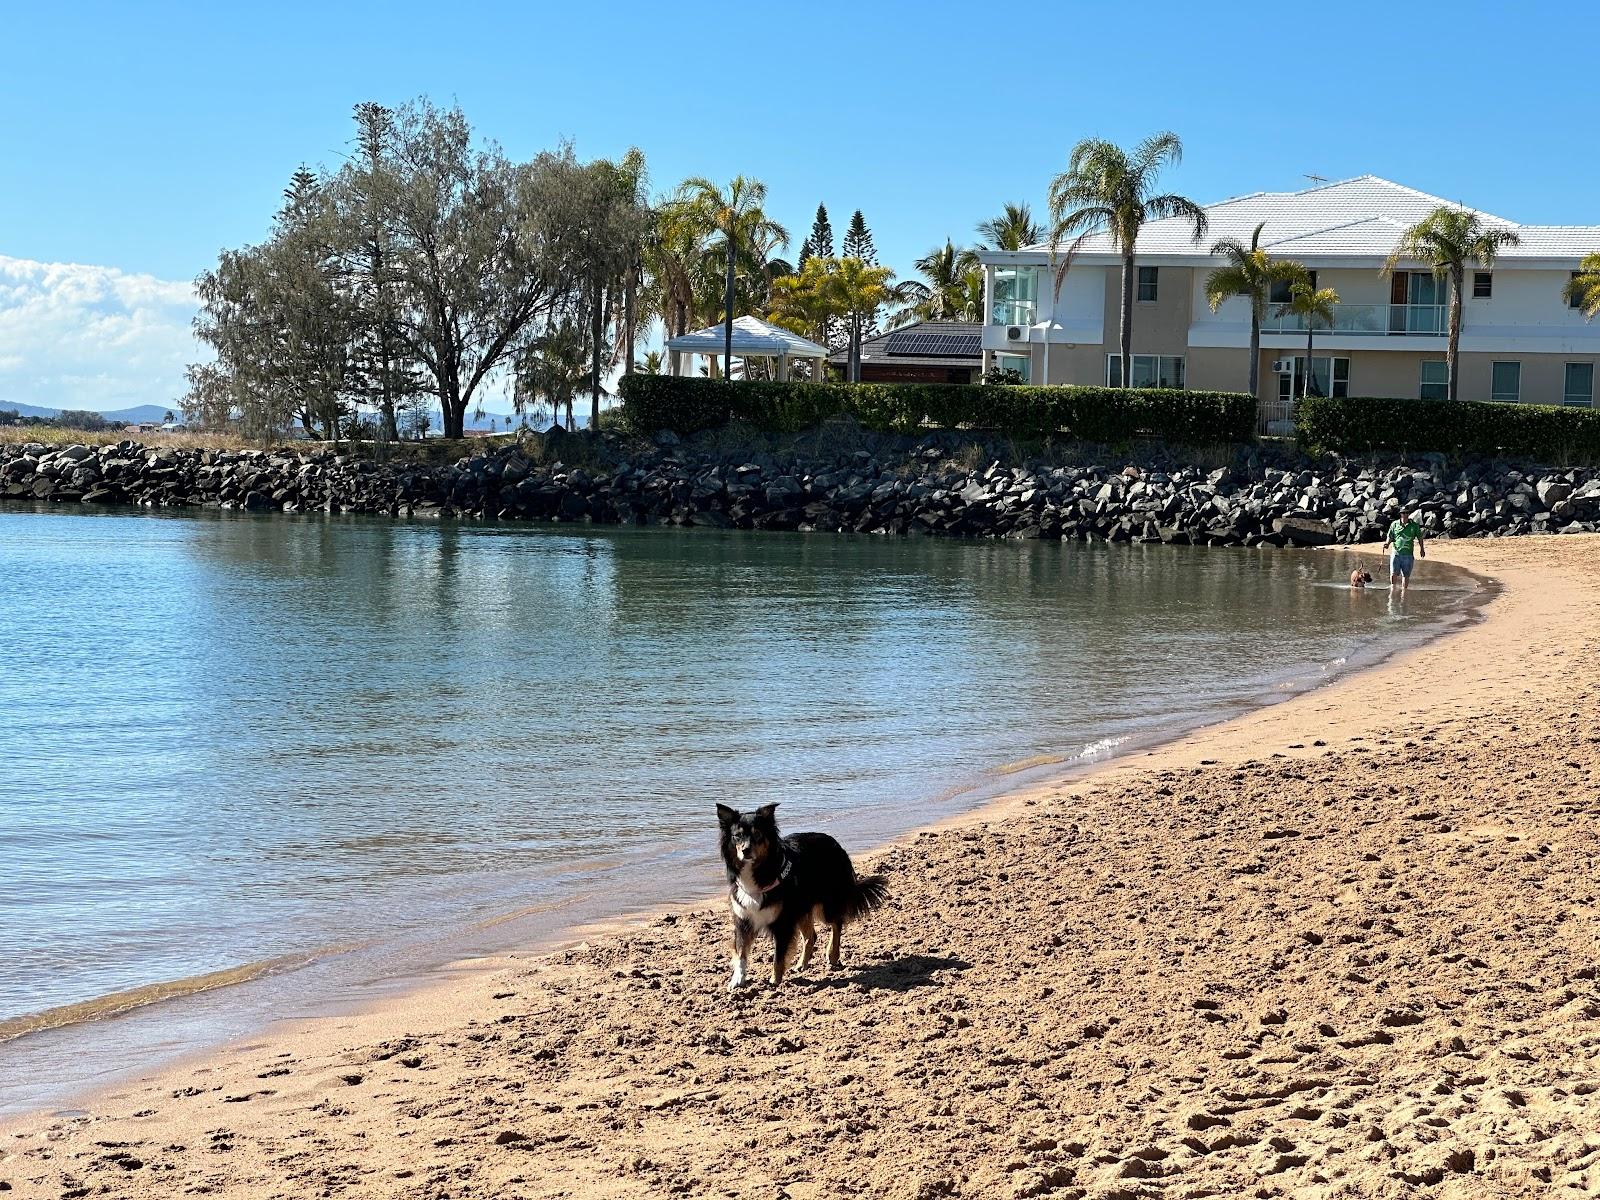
{"points": [[1344, 946]]}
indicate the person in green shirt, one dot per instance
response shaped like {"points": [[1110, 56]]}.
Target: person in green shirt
{"points": [[1403, 540]]}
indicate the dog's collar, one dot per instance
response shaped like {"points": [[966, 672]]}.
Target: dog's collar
{"points": [[783, 873]]}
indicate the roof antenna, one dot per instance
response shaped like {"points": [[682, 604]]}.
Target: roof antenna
{"points": [[1318, 180]]}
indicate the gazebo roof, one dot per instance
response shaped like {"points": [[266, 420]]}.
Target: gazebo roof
{"points": [[752, 338]]}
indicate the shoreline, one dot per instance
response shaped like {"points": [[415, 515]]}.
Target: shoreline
{"points": [[402, 979], [595, 1040]]}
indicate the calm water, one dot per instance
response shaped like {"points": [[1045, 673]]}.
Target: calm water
{"points": [[227, 738]]}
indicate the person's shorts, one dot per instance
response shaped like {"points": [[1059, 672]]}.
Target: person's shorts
{"points": [[1400, 564]]}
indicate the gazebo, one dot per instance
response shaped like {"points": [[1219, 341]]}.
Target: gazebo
{"points": [[752, 338]]}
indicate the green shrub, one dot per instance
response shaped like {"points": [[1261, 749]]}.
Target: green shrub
{"points": [[1356, 424], [1094, 414]]}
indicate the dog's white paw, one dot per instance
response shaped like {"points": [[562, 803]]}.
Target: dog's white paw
{"points": [[737, 981]]}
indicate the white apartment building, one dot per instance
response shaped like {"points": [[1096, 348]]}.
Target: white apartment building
{"points": [[1520, 339]]}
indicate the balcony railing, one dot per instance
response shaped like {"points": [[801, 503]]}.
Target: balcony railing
{"points": [[1378, 320], [1014, 312]]}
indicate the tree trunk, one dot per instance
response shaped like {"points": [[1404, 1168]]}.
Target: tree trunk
{"points": [[727, 312], [1127, 319], [674, 362], [1453, 348], [1255, 351], [1305, 379], [855, 348], [596, 334], [628, 332]]}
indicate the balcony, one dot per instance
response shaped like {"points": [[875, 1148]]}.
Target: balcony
{"points": [[1013, 312], [1376, 320]]}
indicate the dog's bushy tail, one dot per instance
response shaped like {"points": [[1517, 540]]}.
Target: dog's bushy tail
{"points": [[868, 895]]}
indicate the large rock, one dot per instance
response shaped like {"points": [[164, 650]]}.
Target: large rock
{"points": [[1305, 531]]}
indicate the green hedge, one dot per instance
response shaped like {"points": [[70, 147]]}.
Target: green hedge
{"points": [[1356, 424], [1095, 414]]}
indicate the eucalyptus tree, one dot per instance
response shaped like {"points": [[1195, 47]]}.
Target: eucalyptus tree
{"points": [[1106, 189], [733, 223], [1583, 289], [281, 321], [1312, 305], [1249, 272], [1446, 241], [1013, 229], [482, 249]]}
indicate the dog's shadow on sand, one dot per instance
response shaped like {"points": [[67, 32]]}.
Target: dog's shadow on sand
{"points": [[895, 975]]}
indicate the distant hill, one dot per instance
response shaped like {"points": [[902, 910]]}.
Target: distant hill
{"points": [[143, 414]]}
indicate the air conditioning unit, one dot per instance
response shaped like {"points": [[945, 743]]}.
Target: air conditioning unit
{"points": [[1283, 366], [1016, 333]]}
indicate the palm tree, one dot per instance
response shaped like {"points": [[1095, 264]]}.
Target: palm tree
{"points": [[1447, 239], [1250, 273], [941, 294], [858, 291], [1105, 189], [1013, 229], [804, 302], [1584, 287], [734, 216], [1310, 304]]}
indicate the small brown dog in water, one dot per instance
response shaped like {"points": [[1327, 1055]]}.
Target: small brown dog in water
{"points": [[1359, 578], [788, 885]]}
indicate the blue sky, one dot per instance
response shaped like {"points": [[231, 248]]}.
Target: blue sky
{"points": [[142, 138]]}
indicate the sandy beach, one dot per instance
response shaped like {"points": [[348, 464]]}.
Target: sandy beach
{"points": [[1344, 946]]}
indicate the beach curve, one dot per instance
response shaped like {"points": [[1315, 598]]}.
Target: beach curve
{"points": [[1065, 999]]}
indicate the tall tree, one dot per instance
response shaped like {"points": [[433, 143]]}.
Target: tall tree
{"points": [[858, 240], [1251, 273], [858, 290], [1446, 241], [738, 226], [1107, 189], [389, 374], [1314, 306], [819, 242], [554, 367], [804, 302], [1583, 288], [1013, 229], [482, 250]]}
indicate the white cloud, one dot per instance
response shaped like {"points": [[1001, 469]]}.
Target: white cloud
{"points": [[75, 336]]}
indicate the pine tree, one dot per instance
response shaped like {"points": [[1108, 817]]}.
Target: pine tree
{"points": [[820, 243], [858, 240]]}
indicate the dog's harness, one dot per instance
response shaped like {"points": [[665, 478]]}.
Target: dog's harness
{"points": [[758, 898]]}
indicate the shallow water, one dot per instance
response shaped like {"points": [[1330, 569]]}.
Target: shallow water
{"points": [[228, 738]]}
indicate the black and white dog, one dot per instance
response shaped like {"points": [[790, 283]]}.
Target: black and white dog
{"points": [[788, 885]]}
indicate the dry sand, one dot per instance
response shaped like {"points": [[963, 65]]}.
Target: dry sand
{"points": [[1345, 946]]}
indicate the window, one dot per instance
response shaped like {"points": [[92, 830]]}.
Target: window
{"points": [[1482, 285], [1147, 284], [1321, 383], [1577, 300], [1280, 291], [1149, 371], [1435, 380], [1579, 389], [1015, 295], [1506, 382], [1022, 364]]}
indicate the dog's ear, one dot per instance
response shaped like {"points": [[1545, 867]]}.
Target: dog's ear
{"points": [[768, 813], [726, 816]]}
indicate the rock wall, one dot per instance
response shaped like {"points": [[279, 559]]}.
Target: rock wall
{"points": [[864, 483]]}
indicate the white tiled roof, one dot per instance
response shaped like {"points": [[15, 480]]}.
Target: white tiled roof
{"points": [[1361, 218]]}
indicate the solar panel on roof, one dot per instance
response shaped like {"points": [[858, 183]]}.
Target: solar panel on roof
{"points": [[934, 345]]}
